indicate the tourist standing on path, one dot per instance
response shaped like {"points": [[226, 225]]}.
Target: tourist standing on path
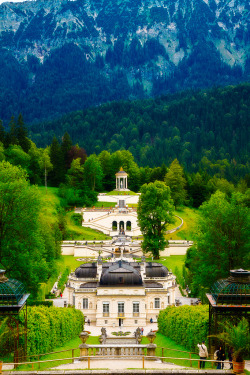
{"points": [[142, 330], [230, 357], [202, 353], [220, 357]]}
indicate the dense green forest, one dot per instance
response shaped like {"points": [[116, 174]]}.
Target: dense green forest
{"points": [[31, 255], [196, 127]]}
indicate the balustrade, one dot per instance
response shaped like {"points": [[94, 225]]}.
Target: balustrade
{"points": [[114, 350]]}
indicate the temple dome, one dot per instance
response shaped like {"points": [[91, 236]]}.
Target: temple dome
{"points": [[86, 271], [120, 273]]}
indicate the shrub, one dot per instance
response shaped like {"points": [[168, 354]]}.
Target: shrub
{"points": [[77, 219], [40, 303], [50, 327], [63, 279], [186, 325]]}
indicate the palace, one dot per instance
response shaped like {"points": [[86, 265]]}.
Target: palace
{"points": [[121, 293]]}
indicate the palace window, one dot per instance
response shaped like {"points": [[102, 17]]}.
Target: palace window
{"points": [[157, 303], [105, 307], [85, 303], [136, 307]]}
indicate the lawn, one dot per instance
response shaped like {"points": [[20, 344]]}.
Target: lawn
{"points": [[105, 204], [171, 349], [77, 232], [67, 353], [50, 201], [190, 217], [171, 262], [115, 192]]}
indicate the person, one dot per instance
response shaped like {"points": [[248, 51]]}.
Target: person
{"points": [[151, 320], [202, 353], [220, 357], [142, 330], [230, 357], [89, 322]]}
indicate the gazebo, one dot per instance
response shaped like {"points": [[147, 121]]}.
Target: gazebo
{"points": [[121, 180], [13, 297], [229, 297]]}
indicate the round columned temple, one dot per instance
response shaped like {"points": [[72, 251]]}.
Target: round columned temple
{"points": [[121, 180]]}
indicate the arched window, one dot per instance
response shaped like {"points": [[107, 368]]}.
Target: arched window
{"points": [[157, 303], [121, 226], [114, 225], [85, 303], [128, 225]]}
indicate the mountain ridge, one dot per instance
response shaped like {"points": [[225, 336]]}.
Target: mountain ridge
{"points": [[137, 49]]}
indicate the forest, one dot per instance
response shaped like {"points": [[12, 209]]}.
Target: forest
{"points": [[80, 176], [205, 130]]}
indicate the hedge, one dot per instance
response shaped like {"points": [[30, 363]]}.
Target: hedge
{"points": [[50, 327], [40, 303], [186, 325]]}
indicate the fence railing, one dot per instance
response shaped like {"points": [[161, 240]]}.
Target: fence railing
{"points": [[89, 358]]}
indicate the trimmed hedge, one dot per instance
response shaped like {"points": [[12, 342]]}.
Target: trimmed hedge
{"points": [[50, 327], [186, 325], [40, 303]]}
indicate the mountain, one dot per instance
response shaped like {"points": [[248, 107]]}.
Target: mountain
{"points": [[58, 56]]}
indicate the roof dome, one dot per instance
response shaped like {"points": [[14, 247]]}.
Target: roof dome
{"points": [[235, 290], [86, 271], [121, 173], [156, 270], [120, 273]]}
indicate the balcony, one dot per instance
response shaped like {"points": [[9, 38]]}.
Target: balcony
{"points": [[105, 314], [121, 314]]}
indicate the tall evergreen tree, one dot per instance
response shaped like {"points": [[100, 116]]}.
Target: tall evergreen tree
{"points": [[2, 132], [22, 134], [66, 146], [176, 181], [56, 158]]}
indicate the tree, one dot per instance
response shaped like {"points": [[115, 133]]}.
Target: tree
{"points": [[56, 158], [155, 212], [176, 181], [222, 241], [22, 134], [66, 146], [93, 173], [45, 165], [22, 249]]}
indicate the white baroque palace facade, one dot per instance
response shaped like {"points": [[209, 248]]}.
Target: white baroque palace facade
{"points": [[121, 293]]}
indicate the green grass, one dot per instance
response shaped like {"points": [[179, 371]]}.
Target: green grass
{"points": [[105, 204], [169, 350], [171, 262], [115, 192], [190, 217], [77, 232], [72, 344]]}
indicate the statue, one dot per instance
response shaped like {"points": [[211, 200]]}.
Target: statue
{"points": [[138, 335]]}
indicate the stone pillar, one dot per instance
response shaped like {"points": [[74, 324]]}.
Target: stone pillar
{"points": [[151, 350], [83, 347]]}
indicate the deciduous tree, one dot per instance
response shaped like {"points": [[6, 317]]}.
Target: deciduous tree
{"points": [[222, 241], [22, 249], [155, 212]]}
